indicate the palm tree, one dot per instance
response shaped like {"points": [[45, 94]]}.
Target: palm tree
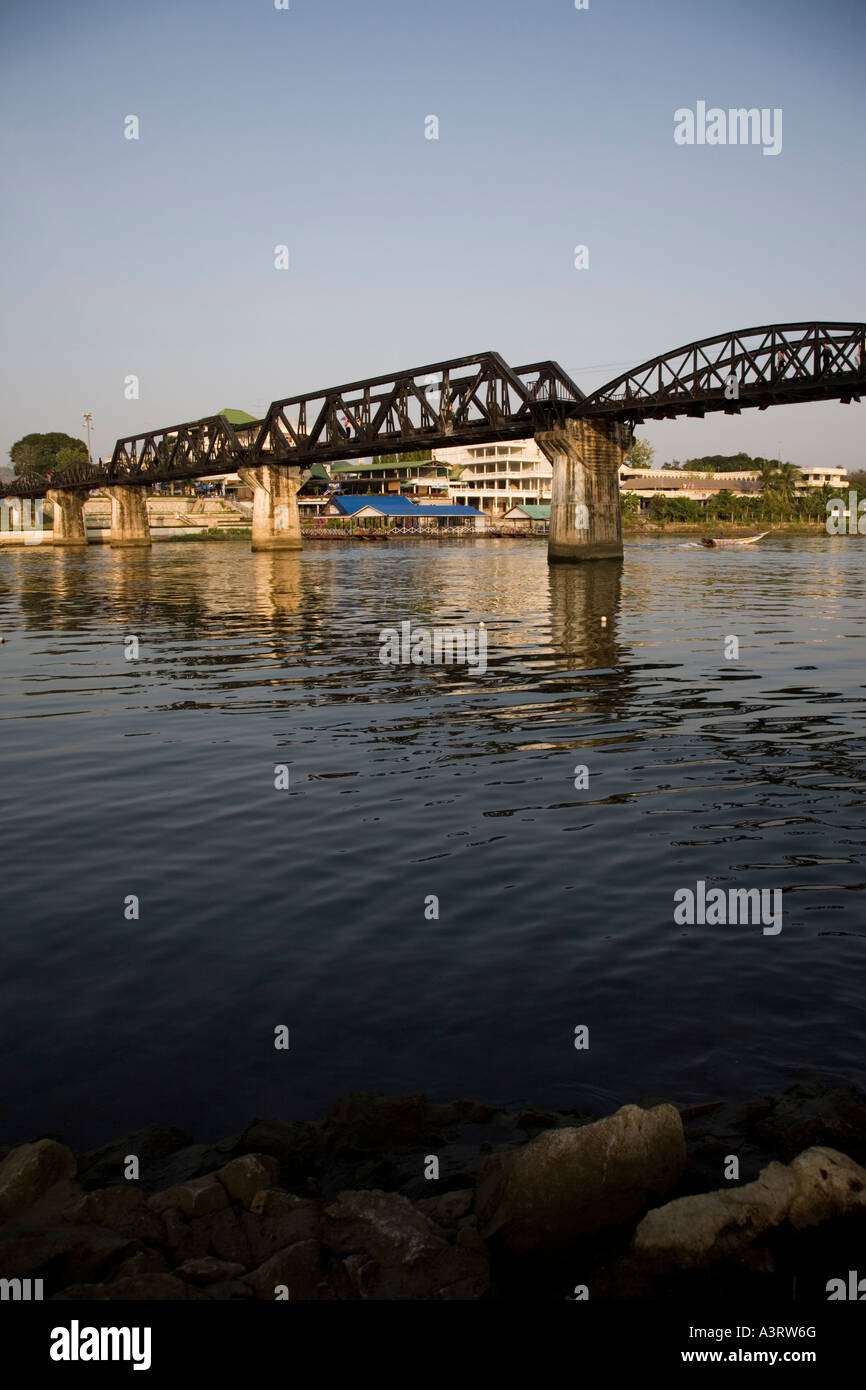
{"points": [[790, 479], [779, 483], [769, 475]]}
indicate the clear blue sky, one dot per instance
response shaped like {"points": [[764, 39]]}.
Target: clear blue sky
{"points": [[306, 127]]}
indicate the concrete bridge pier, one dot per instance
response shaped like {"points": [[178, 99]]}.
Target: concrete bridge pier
{"points": [[129, 524], [69, 527], [585, 517], [276, 516]]}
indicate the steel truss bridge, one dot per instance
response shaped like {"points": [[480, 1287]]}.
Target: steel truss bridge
{"points": [[481, 399]]}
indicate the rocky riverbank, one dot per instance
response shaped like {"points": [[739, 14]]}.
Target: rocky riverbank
{"points": [[403, 1199]]}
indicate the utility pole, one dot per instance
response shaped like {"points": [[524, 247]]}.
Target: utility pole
{"points": [[87, 420]]}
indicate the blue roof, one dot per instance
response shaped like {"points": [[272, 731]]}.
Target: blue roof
{"points": [[435, 509], [388, 506], [396, 506]]}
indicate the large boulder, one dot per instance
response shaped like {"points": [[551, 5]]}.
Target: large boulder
{"points": [[200, 1197], [298, 1269], [696, 1232], [450, 1210], [390, 1251], [122, 1209], [295, 1146], [29, 1172], [829, 1185], [277, 1220], [569, 1183], [821, 1185], [154, 1148], [225, 1236], [809, 1116], [246, 1176]]}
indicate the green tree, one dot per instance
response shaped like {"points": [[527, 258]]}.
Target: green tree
{"points": [[47, 453], [768, 479], [67, 457], [723, 505], [641, 455], [790, 479], [413, 456], [779, 483]]}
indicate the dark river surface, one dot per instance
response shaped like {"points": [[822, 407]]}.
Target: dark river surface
{"points": [[261, 907]]}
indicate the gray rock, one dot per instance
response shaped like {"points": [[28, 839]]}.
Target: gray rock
{"points": [[296, 1147], [122, 1209], [228, 1291], [393, 1252], [697, 1232], [152, 1146], [298, 1268], [569, 1183], [184, 1239], [61, 1253], [142, 1262], [208, 1270], [829, 1185], [383, 1225], [277, 1220], [809, 1116], [734, 1224], [448, 1209], [244, 1177], [147, 1287], [224, 1234], [196, 1198], [28, 1173]]}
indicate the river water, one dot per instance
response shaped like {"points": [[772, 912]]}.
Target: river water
{"points": [[313, 908]]}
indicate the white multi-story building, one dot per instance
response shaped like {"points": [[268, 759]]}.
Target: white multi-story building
{"points": [[817, 474], [496, 477], [678, 482]]}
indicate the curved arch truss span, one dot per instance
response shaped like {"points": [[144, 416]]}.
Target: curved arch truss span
{"points": [[755, 367]]}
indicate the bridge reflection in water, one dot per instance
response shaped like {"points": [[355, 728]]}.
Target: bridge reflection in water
{"points": [[155, 777]]}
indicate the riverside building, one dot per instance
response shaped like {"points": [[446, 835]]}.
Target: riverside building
{"points": [[497, 477]]}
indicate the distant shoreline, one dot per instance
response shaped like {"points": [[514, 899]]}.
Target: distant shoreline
{"points": [[631, 530]]}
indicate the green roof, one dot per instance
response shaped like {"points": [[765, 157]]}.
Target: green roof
{"points": [[237, 417], [357, 466], [535, 512], [353, 466]]}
